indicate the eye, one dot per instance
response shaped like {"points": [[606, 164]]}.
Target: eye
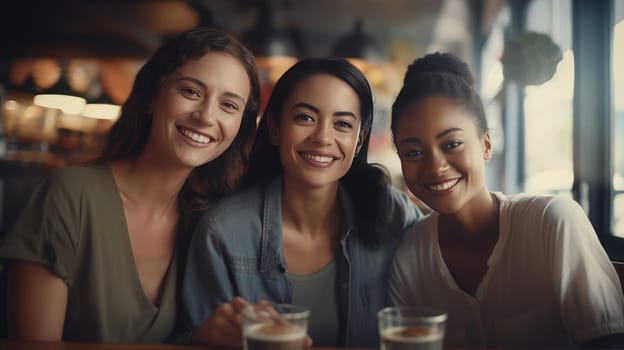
{"points": [[343, 124], [230, 106], [413, 153], [304, 118], [189, 92], [453, 144]]}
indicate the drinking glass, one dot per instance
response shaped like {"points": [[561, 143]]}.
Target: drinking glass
{"points": [[411, 328], [275, 326]]}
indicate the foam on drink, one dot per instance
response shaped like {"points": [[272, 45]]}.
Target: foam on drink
{"points": [[411, 338], [274, 337], [275, 332], [412, 334]]}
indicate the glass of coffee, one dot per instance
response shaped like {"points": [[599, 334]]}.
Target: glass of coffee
{"points": [[275, 326], [411, 328]]}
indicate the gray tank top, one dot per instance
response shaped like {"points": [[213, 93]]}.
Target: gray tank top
{"points": [[317, 292]]}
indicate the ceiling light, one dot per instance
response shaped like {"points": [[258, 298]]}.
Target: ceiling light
{"points": [[101, 111], [71, 105]]}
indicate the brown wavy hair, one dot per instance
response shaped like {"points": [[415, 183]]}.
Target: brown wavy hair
{"points": [[128, 136]]}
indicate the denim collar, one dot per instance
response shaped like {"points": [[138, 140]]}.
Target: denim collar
{"points": [[271, 240]]}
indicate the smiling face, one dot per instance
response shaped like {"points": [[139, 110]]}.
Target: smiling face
{"points": [[319, 131], [198, 110], [442, 154]]}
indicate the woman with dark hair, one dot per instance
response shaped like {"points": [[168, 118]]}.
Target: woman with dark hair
{"points": [[511, 271], [94, 255], [317, 225]]}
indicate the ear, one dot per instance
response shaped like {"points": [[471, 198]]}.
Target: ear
{"points": [[360, 141], [273, 128], [487, 146]]}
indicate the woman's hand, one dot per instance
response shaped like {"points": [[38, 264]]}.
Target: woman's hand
{"points": [[275, 317], [224, 327]]}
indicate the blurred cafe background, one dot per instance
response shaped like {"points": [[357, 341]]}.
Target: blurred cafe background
{"points": [[550, 73]]}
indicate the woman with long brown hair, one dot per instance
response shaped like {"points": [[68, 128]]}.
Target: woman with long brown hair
{"points": [[94, 255]]}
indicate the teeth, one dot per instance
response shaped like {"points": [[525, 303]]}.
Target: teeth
{"points": [[320, 159], [195, 136], [444, 186]]}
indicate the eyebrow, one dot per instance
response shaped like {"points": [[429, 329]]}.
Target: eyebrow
{"points": [[201, 83], [438, 136], [317, 110]]}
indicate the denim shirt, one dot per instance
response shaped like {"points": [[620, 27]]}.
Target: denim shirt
{"points": [[237, 251]]}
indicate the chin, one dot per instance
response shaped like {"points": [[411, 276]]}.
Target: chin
{"points": [[192, 163], [317, 182], [195, 160], [443, 209]]}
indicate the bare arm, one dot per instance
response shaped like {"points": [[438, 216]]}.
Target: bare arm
{"points": [[36, 302]]}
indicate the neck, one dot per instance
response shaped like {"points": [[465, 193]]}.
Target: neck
{"points": [[477, 218], [311, 210], [149, 184]]}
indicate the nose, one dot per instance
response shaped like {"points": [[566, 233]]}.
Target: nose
{"points": [[323, 133], [204, 113], [438, 164]]}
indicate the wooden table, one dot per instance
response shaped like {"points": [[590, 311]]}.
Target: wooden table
{"points": [[35, 345], [32, 345]]}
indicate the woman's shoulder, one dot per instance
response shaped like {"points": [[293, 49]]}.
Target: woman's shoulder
{"points": [[543, 213], [79, 174], [420, 239], [399, 201], [396, 195], [245, 201], [241, 211], [235, 223], [535, 204], [423, 228], [75, 179]]}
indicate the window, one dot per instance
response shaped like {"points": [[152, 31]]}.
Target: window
{"points": [[617, 158], [548, 108], [570, 130], [491, 91]]}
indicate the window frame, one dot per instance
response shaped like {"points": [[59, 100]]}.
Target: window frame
{"points": [[592, 37]]}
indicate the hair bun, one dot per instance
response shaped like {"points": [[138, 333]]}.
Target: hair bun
{"points": [[443, 63]]}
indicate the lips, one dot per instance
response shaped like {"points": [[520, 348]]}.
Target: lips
{"points": [[195, 136], [443, 186]]}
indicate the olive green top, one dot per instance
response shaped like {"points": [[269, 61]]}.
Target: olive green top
{"points": [[74, 223], [317, 292]]}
